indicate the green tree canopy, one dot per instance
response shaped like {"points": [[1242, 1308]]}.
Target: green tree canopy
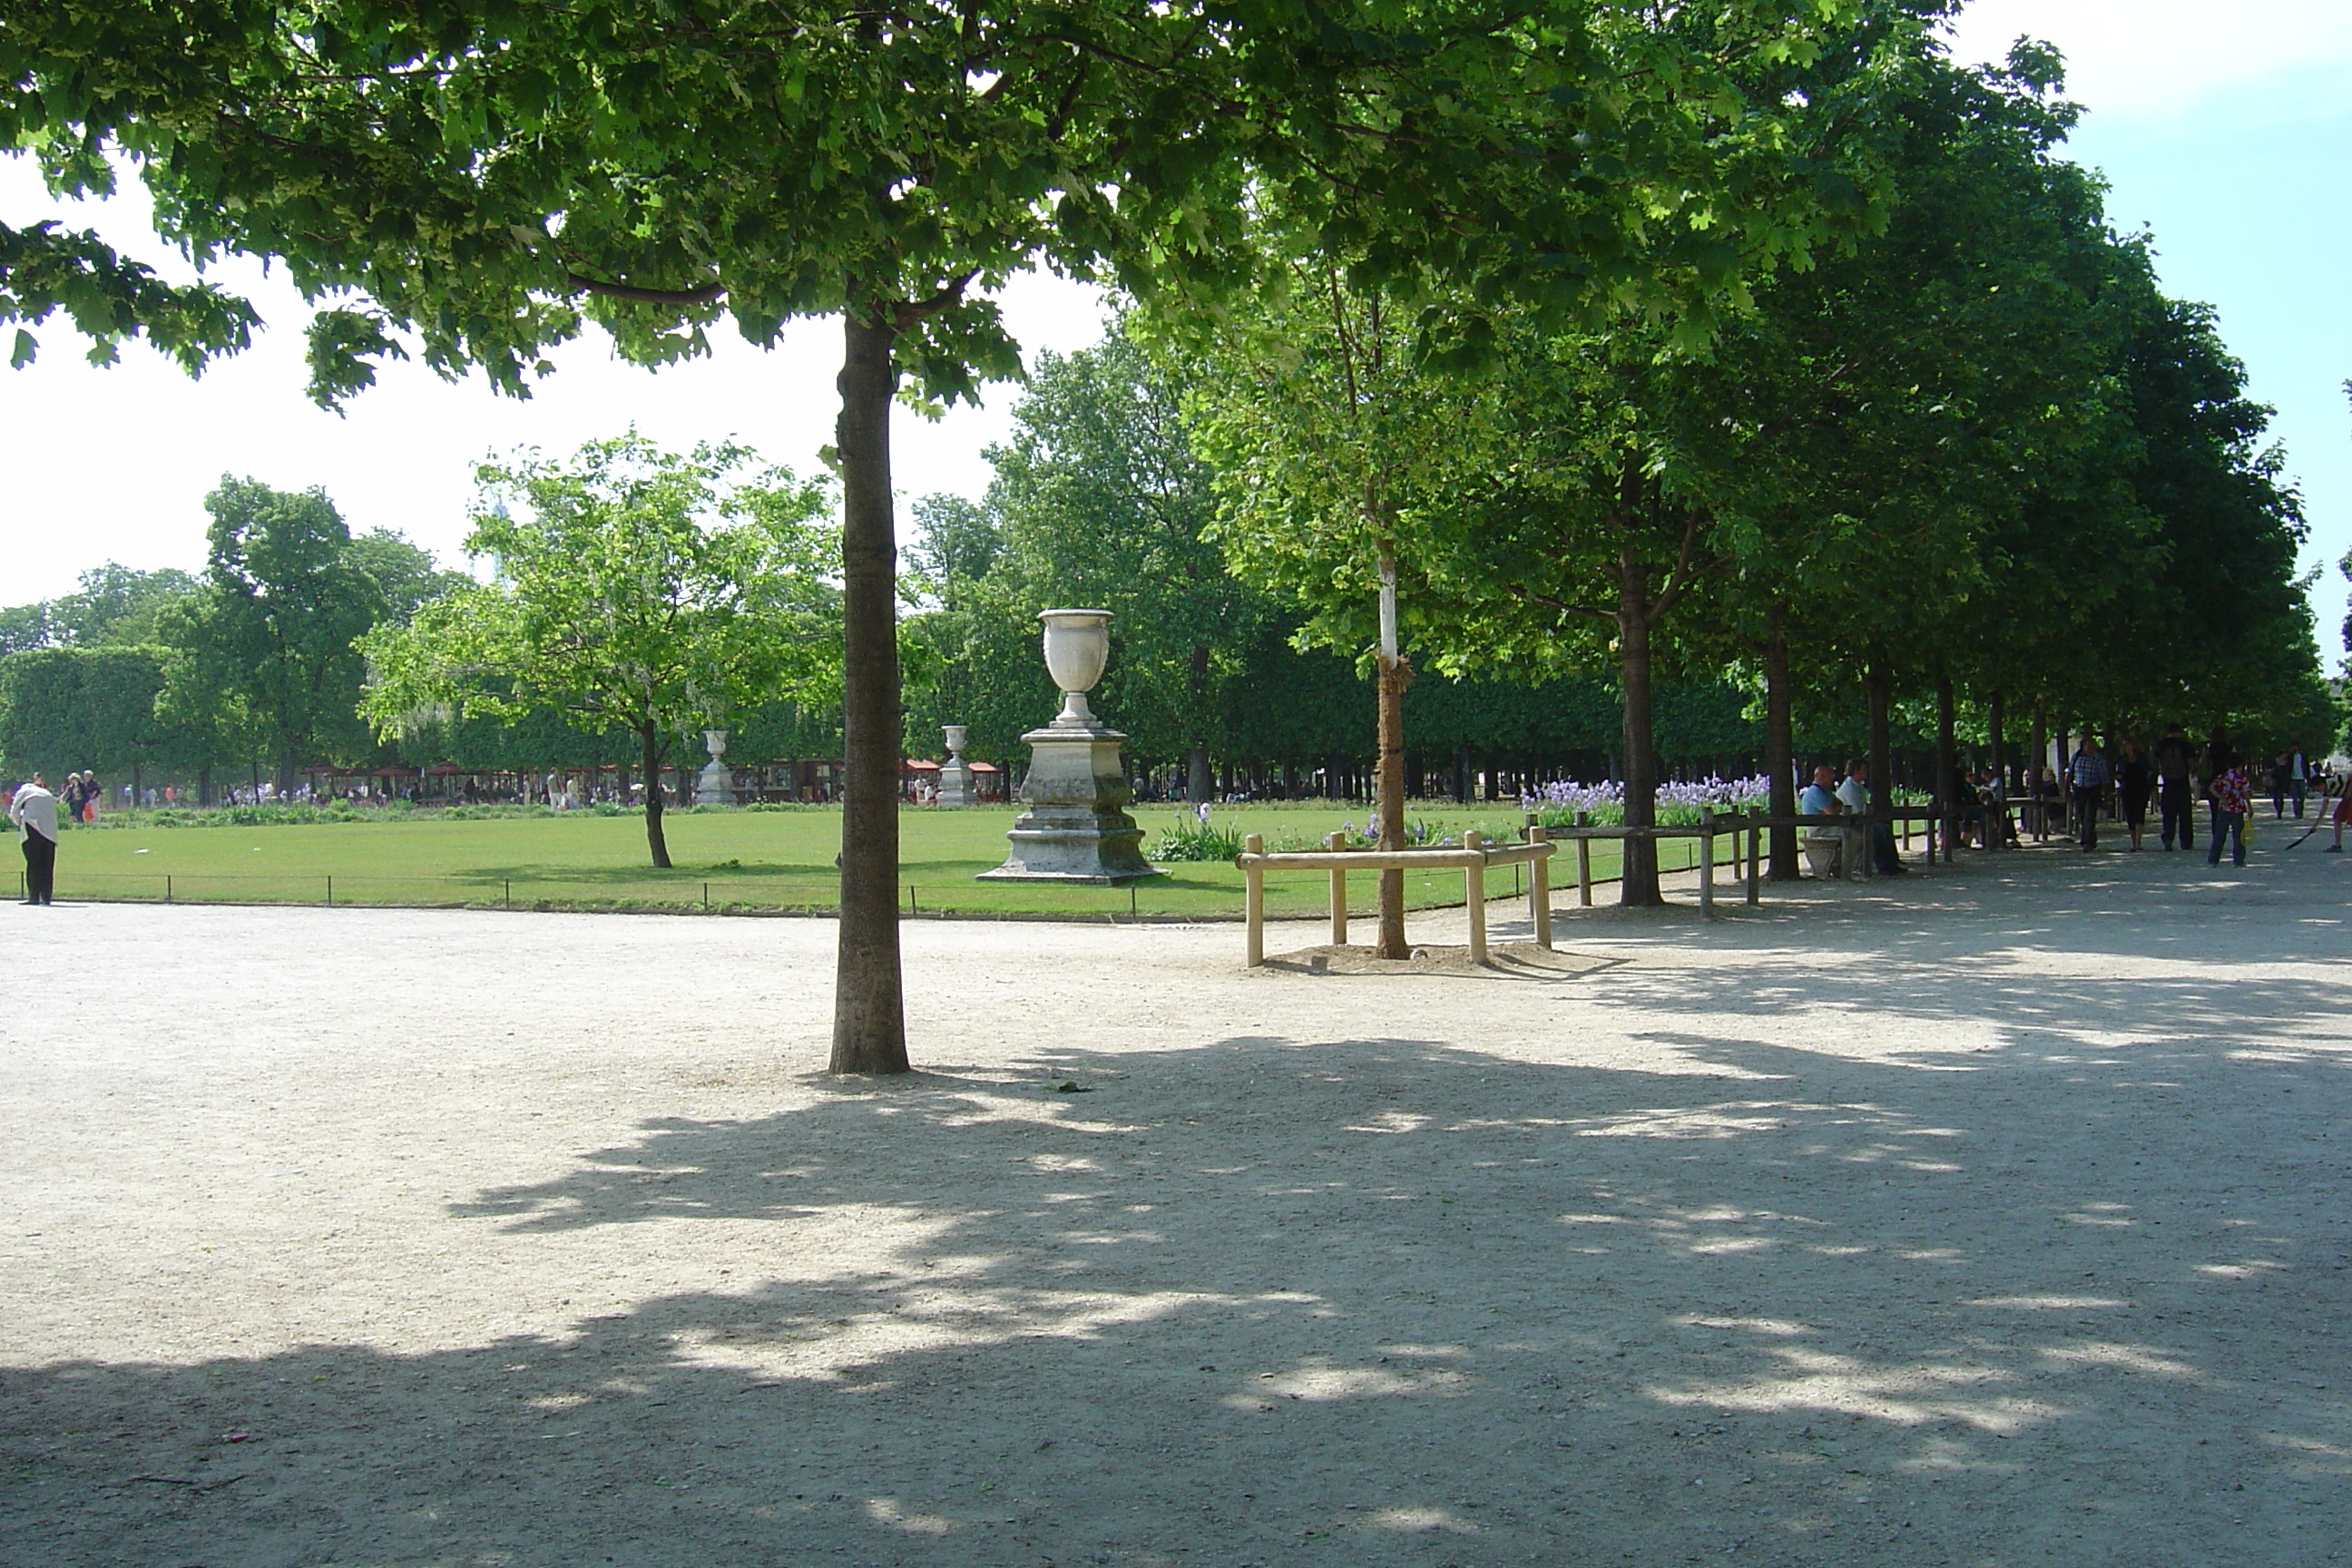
{"points": [[638, 590], [265, 651]]}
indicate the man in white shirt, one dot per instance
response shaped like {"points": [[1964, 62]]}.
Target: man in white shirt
{"points": [[34, 813]]}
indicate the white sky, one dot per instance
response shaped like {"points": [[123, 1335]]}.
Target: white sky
{"points": [[2226, 127]]}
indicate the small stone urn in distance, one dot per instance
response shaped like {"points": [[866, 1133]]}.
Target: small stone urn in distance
{"points": [[716, 784], [1074, 829], [955, 777]]}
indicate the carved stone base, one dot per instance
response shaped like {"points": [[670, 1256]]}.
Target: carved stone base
{"points": [[1074, 829]]}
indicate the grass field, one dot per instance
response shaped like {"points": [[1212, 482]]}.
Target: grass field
{"points": [[726, 861]]}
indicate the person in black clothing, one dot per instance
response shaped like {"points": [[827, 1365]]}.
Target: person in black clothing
{"points": [[2174, 801], [2135, 782], [1968, 807]]}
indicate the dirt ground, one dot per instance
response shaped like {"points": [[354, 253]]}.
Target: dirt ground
{"points": [[1993, 1216]]}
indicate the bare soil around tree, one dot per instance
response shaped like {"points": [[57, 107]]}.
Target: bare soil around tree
{"points": [[1992, 1215]]}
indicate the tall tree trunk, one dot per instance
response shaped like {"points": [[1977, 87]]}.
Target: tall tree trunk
{"points": [[1780, 749], [1640, 886], [1389, 779], [1878, 692], [1947, 762], [1196, 682], [649, 745], [869, 1018], [286, 772], [205, 785], [1996, 717]]}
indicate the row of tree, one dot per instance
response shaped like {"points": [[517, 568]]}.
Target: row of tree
{"points": [[1101, 499]]}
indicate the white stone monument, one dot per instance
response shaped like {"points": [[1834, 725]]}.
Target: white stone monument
{"points": [[1074, 829], [716, 784], [955, 777]]}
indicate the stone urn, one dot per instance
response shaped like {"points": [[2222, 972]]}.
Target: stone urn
{"points": [[715, 785], [1077, 650], [1075, 828]]}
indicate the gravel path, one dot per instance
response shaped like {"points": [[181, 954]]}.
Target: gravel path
{"points": [[1995, 1215]]}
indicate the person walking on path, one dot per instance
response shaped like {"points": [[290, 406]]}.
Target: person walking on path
{"points": [[2298, 782], [34, 813], [2220, 757], [2232, 797], [2089, 775], [2175, 799], [2135, 782]]}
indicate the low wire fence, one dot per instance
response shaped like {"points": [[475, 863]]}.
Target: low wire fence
{"points": [[1188, 892]]}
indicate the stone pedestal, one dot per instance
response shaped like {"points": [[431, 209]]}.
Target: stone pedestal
{"points": [[1074, 829]]}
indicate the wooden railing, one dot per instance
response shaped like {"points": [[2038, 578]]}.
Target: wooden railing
{"points": [[1475, 858]]}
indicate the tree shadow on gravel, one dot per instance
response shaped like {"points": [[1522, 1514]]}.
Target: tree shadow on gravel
{"points": [[1338, 1303]]}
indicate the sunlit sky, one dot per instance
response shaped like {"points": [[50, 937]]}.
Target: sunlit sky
{"points": [[2226, 130]]}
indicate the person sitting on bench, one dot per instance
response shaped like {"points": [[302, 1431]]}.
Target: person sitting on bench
{"points": [[1824, 843]]}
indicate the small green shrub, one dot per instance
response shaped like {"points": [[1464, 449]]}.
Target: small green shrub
{"points": [[1189, 840]]}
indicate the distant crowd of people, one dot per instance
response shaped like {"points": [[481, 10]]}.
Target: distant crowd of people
{"points": [[2173, 776]]}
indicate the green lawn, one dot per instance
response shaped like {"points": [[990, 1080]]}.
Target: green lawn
{"points": [[731, 860]]}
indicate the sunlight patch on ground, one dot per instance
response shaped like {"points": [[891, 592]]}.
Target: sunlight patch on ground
{"points": [[1392, 1121], [2127, 1358], [933, 1320], [888, 1511], [1907, 1397], [1420, 1520], [1777, 1326], [2048, 1303]]}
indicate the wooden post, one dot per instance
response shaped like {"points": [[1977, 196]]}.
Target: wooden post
{"points": [[1336, 843], [1530, 834], [1254, 898], [1706, 861], [1539, 884], [1583, 865], [1754, 858], [1474, 889]]}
